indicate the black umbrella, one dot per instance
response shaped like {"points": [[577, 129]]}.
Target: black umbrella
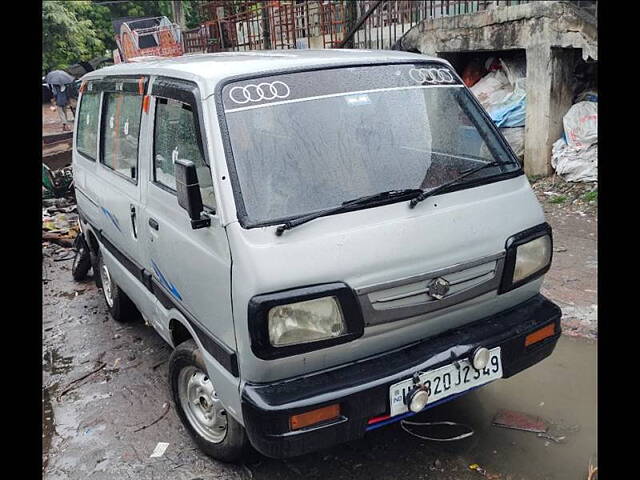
{"points": [[58, 77]]}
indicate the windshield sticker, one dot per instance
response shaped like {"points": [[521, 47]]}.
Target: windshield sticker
{"points": [[259, 92], [431, 75], [353, 83]]}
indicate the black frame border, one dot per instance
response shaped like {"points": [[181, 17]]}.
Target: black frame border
{"points": [[511, 246], [258, 320]]}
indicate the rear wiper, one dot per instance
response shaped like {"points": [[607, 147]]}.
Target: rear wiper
{"points": [[346, 206], [465, 173]]}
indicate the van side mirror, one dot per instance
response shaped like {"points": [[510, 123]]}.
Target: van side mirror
{"points": [[188, 191]]}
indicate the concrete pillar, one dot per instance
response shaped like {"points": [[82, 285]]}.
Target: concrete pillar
{"points": [[549, 96]]}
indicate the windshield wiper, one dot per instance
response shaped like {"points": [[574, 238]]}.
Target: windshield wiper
{"points": [[345, 206], [465, 173]]}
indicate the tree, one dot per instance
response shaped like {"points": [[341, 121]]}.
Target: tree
{"points": [[67, 35]]}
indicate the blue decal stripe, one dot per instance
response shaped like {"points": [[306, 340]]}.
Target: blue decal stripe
{"points": [[165, 283], [113, 219]]}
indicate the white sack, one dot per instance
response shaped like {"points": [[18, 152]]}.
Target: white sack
{"points": [[492, 88], [581, 124], [515, 137], [575, 163]]}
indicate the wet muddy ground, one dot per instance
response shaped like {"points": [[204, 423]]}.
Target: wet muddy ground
{"points": [[106, 401]]}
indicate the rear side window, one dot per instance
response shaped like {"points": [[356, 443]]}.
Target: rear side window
{"points": [[120, 131], [176, 137], [87, 131]]}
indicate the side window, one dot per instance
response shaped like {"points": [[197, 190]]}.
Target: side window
{"points": [[176, 137], [87, 134], [120, 130]]}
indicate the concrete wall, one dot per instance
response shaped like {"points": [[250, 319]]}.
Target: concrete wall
{"points": [[549, 32]]}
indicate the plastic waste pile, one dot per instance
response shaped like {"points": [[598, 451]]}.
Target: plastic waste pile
{"points": [[502, 92], [575, 156]]}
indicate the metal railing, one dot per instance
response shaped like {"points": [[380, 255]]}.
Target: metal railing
{"points": [[284, 24]]}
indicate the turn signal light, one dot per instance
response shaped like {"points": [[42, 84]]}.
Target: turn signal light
{"points": [[314, 416], [539, 335]]}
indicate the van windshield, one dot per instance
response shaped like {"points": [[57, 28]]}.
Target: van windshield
{"points": [[304, 142]]}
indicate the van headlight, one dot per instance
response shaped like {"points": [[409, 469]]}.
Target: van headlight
{"points": [[528, 256], [304, 319]]}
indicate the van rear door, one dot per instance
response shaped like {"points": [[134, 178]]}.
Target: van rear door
{"points": [[118, 185]]}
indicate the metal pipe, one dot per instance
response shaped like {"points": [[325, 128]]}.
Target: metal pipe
{"points": [[358, 24]]}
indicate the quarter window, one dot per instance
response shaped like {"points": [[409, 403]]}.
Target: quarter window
{"points": [[120, 130], [176, 137], [87, 131]]}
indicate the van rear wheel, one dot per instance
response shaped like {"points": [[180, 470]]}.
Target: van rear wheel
{"points": [[215, 432], [120, 306], [81, 259]]}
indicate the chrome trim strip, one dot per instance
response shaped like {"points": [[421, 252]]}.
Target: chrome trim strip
{"points": [[384, 313], [434, 273]]}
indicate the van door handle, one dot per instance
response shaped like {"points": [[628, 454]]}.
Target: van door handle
{"points": [[153, 224], [133, 221]]}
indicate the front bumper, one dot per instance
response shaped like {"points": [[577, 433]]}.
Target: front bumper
{"points": [[362, 387]]}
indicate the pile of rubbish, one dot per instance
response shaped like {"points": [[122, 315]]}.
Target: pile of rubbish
{"points": [[575, 156], [502, 92], [59, 222]]}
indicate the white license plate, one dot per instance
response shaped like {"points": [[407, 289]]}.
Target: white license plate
{"points": [[446, 381]]}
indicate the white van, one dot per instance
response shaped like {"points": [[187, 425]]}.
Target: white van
{"points": [[331, 240]]}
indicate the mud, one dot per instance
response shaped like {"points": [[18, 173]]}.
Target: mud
{"points": [[572, 281], [106, 394]]}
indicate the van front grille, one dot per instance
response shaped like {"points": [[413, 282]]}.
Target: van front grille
{"points": [[431, 291]]}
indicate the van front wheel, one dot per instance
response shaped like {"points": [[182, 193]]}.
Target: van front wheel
{"points": [[215, 432]]}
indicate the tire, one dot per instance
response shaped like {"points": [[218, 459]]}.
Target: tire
{"points": [[81, 260], [120, 306], [220, 436]]}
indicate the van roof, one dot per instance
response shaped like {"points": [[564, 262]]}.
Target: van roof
{"points": [[217, 66]]}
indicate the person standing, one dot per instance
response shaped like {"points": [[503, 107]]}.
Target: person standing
{"points": [[62, 102], [60, 83]]}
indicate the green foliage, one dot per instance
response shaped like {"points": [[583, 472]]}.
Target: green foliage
{"points": [[591, 196], [558, 199], [67, 34], [81, 30]]}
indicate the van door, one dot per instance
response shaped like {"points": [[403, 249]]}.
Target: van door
{"points": [[118, 185], [190, 268]]}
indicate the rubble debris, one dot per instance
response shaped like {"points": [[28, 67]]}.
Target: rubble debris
{"points": [[520, 421], [161, 447], [56, 183], [556, 439], [477, 468], [59, 222]]}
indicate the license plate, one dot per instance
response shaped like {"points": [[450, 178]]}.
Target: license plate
{"points": [[446, 381]]}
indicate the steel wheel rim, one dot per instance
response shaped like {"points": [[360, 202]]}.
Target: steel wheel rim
{"points": [[107, 287], [201, 404]]}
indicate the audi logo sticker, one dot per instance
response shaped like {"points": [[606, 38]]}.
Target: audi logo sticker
{"points": [[431, 75], [259, 92]]}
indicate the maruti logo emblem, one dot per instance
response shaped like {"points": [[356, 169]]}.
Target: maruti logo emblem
{"points": [[438, 288]]}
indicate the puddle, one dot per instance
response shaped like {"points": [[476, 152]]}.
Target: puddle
{"points": [[54, 363]]}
